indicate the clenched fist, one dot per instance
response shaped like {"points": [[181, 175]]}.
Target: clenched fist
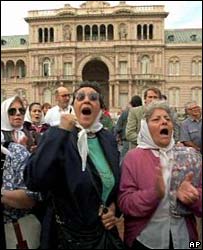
{"points": [[67, 121]]}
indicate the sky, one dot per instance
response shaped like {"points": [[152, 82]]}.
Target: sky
{"points": [[182, 14]]}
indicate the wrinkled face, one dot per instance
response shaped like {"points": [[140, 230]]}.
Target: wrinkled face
{"points": [[160, 126], [63, 98], [194, 110], [36, 113], [86, 106], [16, 114], [151, 96]]}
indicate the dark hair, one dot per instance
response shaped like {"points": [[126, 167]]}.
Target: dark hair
{"points": [[34, 103], [155, 90], [136, 101], [45, 105], [93, 85], [163, 97]]}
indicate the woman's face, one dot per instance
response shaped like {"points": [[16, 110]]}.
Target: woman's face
{"points": [[36, 113], [86, 106], [160, 127], [16, 114]]}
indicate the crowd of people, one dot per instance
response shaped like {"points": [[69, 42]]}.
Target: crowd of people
{"points": [[70, 174]]}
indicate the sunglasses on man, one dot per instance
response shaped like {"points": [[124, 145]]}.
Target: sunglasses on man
{"points": [[93, 96], [13, 111]]}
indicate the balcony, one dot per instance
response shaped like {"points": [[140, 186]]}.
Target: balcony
{"points": [[150, 77]]}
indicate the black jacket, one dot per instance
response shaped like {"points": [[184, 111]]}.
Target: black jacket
{"points": [[56, 168]]}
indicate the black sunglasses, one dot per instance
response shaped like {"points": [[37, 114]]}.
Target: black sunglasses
{"points": [[13, 111], [80, 96]]}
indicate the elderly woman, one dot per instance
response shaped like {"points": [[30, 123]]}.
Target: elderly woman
{"points": [[34, 122], [160, 188], [78, 164], [17, 201]]}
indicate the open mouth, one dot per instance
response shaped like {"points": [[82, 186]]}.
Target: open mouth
{"points": [[164, 131], [86, 111]]}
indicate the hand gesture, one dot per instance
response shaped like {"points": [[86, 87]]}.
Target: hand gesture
{"points": [[186, 192], [67, 121]]}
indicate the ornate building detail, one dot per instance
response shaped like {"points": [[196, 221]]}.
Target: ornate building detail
{"points": [[67, 30]]}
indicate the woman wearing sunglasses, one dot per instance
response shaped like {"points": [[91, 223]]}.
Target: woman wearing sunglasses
{"points": [[78, 164], [16, 199]]}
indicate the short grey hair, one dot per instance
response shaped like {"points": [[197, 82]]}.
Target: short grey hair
{"points": [[149, 109], [188, 104]]}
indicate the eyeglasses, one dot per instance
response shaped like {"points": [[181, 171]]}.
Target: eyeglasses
{"points": [[91, 96], [13, 111], [65, 95]]}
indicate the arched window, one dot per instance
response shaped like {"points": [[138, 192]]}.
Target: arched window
{"points": [[47, 67], [139, 32], [145, 65], [20, 69], [94, 32], [79, 33], [145, 32], [102, 32], [110, 32], [46, 35], [10, 69], [40, 35], [51, 31], [87, 33], [150, 31]]}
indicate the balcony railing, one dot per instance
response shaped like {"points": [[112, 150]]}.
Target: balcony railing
{"points": [[148, 77]]}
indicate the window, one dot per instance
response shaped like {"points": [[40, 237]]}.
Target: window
{"points": [[139, 33], [174, 67], [68, 69], [196, 67], [123, 100], [145, 65], [171, 38], [40, 35], [197, 95], [22, 41], [3, 42], [47, 96], [51, 30], [46, 67], [123, 68], [174, 97], [150, 31]]}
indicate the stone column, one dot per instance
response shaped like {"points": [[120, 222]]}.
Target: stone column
{"points": [[116, 94], [110, 94], [129, 90]]}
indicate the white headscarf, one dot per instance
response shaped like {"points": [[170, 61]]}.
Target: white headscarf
{"points": [[29, 119], [5, 123], [82, 138], [145, 141]]}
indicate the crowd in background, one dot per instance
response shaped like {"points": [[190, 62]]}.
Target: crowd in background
{"points": [[74, 171]]}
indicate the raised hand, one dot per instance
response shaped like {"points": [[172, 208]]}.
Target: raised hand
{"points": [[186, 192]]}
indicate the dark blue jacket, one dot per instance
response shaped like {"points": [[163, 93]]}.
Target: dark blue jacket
{"points": [[56, 168]]}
